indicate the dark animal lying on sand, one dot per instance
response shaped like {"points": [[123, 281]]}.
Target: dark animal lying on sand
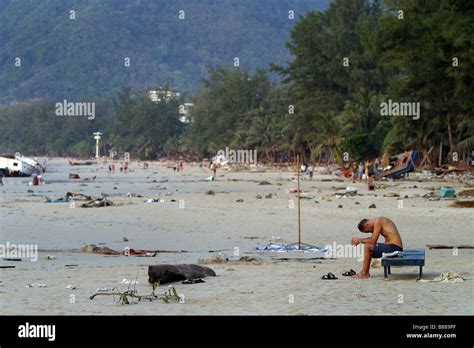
{"points": [[172, 273]]}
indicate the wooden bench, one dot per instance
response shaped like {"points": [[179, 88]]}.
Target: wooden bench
{"points": [[411, 257]]}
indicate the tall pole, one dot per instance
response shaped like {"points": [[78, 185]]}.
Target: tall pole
{"points": [[97, 138], [298, 195]]}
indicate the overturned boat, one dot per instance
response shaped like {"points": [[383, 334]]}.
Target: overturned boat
{"points": [[19, 165], [399, 165]]}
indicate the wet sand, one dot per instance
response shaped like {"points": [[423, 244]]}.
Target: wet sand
{"points": [[202, 224]]}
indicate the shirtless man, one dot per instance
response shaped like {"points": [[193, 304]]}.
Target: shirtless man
{"points": [[377, 226]]}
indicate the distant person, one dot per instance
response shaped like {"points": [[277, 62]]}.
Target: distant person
{"points": [[361, 170], [377, 226], [113, 167], [366, 170], [121, 167], [36, 180], [311, 172], [110, 169], [181, 165], [1, 180], [354, 171], [214, 169], [125, 167], [376, 165]]}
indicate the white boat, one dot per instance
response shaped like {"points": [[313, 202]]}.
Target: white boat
{"points": [[19, 165]]}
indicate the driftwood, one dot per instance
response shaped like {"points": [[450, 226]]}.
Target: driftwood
{"points": [[170, 295], [441, 246], [171, 273], [462, 204]]}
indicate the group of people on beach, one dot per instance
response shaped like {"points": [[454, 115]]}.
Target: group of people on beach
{"points": [[123, 167], [365, 170], [178, 166], [307, 170]]}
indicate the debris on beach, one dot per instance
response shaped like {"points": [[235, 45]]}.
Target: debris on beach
{"points": [[71, 287], [270, 195], [79, 196], [303, 248], [163, 273], [127, 251], [376, 263], [154, 200], [391, 194], [167, 296], [349, 191], [92, 248], [446, 192], [372, 206], [264, 182], [192, 281], [258, 196], [462, 204], [441, 246], [399, 165], [36, 285], [97, 203], [221, 258], [73, 176], [210, 193], [104, 289], [128, 281], [239, 200], [55, 200], [466, 193], [447, 277], [86, 163]]}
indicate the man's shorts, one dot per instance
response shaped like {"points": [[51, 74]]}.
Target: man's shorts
{"points": [[380, 248]]}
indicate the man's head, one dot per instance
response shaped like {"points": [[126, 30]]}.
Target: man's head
{"points": [[363, 226]]}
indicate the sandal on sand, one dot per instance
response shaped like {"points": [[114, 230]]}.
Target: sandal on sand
{"points": [[329, 276], [349, 273]]}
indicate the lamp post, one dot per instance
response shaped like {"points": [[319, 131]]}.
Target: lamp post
{"points": [[97, 136]]}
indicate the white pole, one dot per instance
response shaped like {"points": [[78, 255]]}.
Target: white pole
{"points": [[97, 138]]}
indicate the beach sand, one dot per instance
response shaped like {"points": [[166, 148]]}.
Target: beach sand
{"points": [[204, 225]]}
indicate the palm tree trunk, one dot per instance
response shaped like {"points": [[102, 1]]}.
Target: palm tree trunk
{"points": [[440, 153], [450, 137]]}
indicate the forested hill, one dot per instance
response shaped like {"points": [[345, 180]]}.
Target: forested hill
{"points": [[65, 54]]}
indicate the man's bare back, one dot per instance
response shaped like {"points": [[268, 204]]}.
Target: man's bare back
{"points": [[388, 230]]}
